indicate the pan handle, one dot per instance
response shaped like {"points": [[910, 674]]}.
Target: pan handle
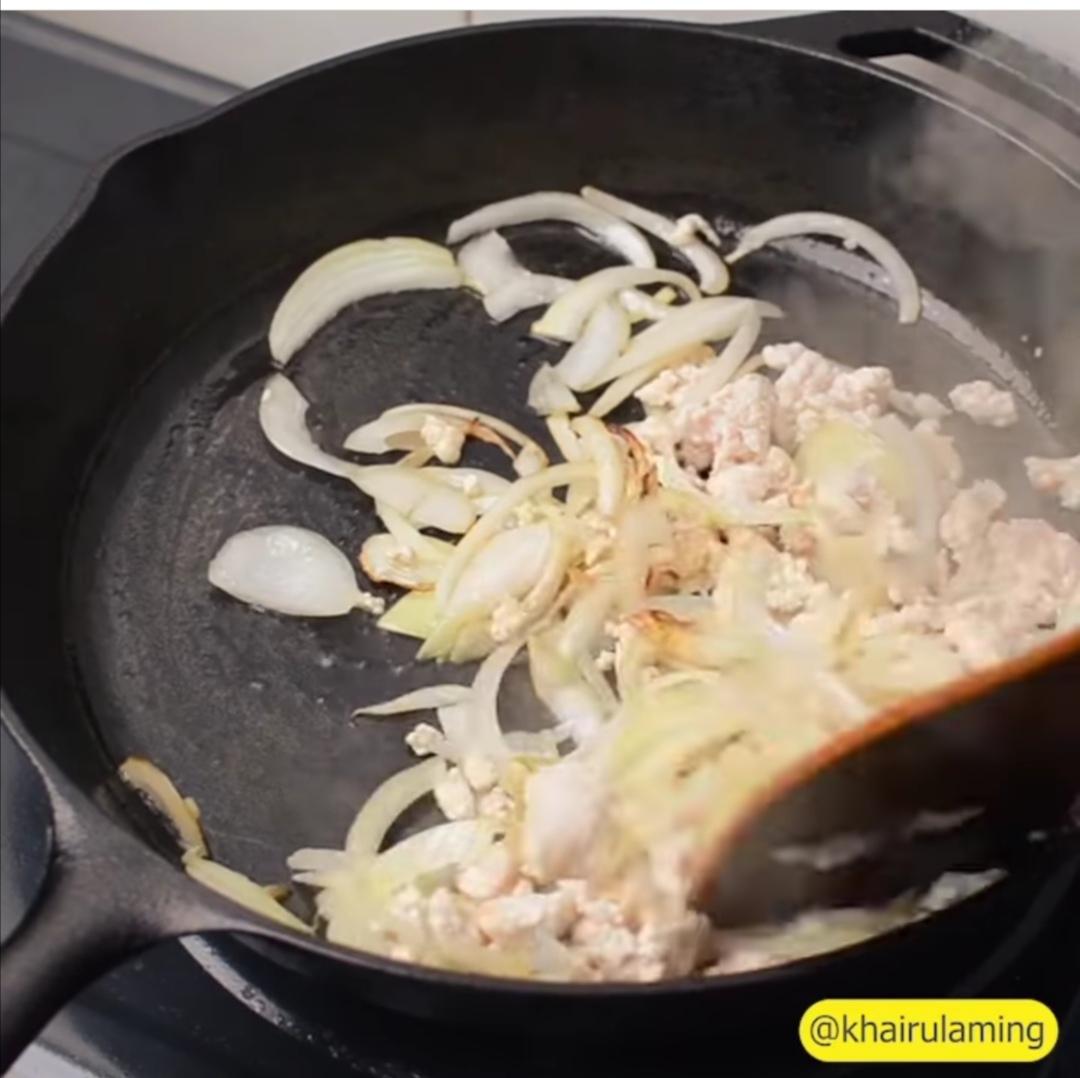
{"points": [[1025, 87], [105, 897]]}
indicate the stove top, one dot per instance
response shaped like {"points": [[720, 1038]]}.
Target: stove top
{"points": [[193, 1007]]}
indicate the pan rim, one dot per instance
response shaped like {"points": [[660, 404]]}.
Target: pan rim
{"points": [[748, 31]]}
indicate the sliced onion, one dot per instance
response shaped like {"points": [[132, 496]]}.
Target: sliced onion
{"points": [[283, 419], [607, 229], [426, 699], [584, 623], [507, 286], [509, 564], [563, 436], [382, 561], [641, 307], [237, 887], [711, 271], [560, 686], [282, 412], [606, 334], [718, 372], [605, 449], [413, 615], [157, 788], [433, 850], [549, 394], [483, 734], [676, 340], [487, 428], [425, 547], [480, 486], [494, 519], [390, 799], [354, 272], [565, 319], [418, 495], [388, 433], [286, 569], [851, 232]]}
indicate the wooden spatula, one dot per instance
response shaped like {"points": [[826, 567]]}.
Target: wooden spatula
{"points": [[984, 772]]}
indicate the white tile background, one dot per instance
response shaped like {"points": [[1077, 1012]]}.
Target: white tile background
{"points": [[249, 47]]}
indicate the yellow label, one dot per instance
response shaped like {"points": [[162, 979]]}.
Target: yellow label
{"points": [[928, 1030]]}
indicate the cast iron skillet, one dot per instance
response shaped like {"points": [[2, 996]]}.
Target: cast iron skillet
{"points": [[133, 349]]}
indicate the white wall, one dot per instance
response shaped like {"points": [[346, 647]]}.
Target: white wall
{"points": [[249, 47]]}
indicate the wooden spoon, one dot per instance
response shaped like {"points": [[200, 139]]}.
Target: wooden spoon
{"points": [[1004, 741]]}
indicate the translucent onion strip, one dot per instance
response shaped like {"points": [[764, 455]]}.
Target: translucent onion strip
{"points": [[283, 418], [681, 234], [493, 520], [549, 394], [156, 787], [485, 427], [428, 698], [354, 272], [565, 319], [506, 285], [237, 887], [672, 341], [721, 370], [606, 228], [852, 233], [390, 799], [606, 334], [606, 450]]}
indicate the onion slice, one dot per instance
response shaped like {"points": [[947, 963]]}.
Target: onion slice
{"points": [[354, 272], [386, 561], [485, 427], [425, 699], [852, 233], [283, 418], [672, 341], [606, 228], [507, 286], [159, 790], [606, 450], [493, 520], [290, 570], [549, 394], [390, 799], [237, 887], [681, 234], [605, 335], [722, 369], [565, 319]]}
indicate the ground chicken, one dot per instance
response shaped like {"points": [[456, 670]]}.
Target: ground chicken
{"points": [[424, 739], [812, 390], [444, 437], [1015, 580], [732, 427], [918, 405], [454, 797], [969, 515], [774, 480], [493, 873], [1059, 476], [986, 404]]}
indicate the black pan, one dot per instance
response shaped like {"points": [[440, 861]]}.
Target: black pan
{"points": [[134, 345]]}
